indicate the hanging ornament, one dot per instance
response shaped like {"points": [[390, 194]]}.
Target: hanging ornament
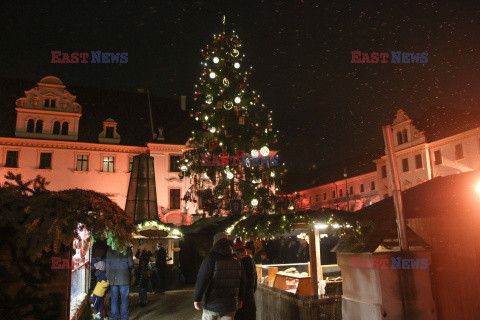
{"points": [[236, 65], [254, 202], [237, 100], [215, 60], [242, 86], [219, 104], [254, 153], [212, 144], [228, 105], [212, 75], [209, 99], [264, 151], [235, 53], [212, 130], [226, 83], [272, 174], [237, 110], [229, 175], [183, 168], [265, 182], [241, 120]]}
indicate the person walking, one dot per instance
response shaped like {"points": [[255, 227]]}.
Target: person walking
{"points": [[142, 279], [118, 269], [161, 268], [248, 311], [220, 282]]}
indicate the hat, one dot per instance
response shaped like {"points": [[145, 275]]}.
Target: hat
{"points": [[218, 236], [100, 265]]}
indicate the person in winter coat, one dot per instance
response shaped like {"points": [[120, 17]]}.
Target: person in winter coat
{"points": [[248, 311], [118, 267], [142, 279], [161, 268], [220, 282], [99, 291]]}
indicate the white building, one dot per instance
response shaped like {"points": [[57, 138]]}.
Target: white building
{"points": [[441, 142]]}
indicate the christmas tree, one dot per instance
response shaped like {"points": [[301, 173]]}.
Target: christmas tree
{"points": [[229, 157]]}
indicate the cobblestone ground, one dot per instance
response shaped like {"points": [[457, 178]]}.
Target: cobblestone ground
{"points": [[171, 305]]}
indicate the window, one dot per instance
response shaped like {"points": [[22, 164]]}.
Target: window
{"points": [[362, 188], [108, 164], [405, 167], [372, 186], [175, 163], [324, 196], [45, 160], [384, 171], [399, 138], [458, 151], [65, 129], [46, 103], [418, 161], [340, 193], [437, 155], [130, 164], [30, 125], [50, 103], [56, 128], [174, 198], [109, 132], [316, 198], [39, 126], [11, 160], [53, 102], [82, 162], [333, 194], [351, 190], [405, 135]]}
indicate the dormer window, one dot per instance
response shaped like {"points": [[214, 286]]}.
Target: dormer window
{"points": [[109, 133], [56, 128], [39, 126], [402, 136], [405, 136], [49, 103], [30, 125], [399, 138]]}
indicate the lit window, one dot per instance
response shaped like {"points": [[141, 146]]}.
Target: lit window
{"points": [[108, 164], [82, 162], [438, 157], [405, 165], [11, 160], [418, 161], [174, 198], [458, 151], [45, 160]]}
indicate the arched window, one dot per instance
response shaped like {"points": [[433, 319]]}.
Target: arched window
{"points": [[65, 129], [30, 125], [405, 136], [399, 138], [39, 126], [56, 127]]}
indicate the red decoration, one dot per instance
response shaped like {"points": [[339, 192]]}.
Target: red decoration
{"points": [[242, 86], [265, 181], [212, 144]]}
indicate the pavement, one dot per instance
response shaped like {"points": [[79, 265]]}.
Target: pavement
{"points": [[170, 305]]}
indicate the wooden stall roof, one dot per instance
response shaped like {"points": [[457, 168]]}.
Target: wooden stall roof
{"points": [[441, 196], [209, 225]]}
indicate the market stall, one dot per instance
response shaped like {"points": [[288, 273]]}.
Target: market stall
{"points": [[291, 290]]}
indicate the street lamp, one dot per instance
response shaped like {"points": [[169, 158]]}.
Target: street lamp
{"points": [[345, 175]]}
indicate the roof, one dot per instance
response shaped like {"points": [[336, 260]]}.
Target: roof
{"points": [[52, 80], [128, 109], [452, 195], [439, 122], [355, 166]]}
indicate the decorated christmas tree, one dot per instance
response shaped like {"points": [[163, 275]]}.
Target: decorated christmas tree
{"points": [[230, 158]]}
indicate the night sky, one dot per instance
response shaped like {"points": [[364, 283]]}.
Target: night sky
{"points": [[325, 107]]}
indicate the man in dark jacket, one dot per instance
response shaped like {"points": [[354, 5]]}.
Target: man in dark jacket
{"points": [[118, 267], [161, 267], [220, 282], [249, 309]]}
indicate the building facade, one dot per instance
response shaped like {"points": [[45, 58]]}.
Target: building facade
{"points": [[440, 143], [48, 142]]}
